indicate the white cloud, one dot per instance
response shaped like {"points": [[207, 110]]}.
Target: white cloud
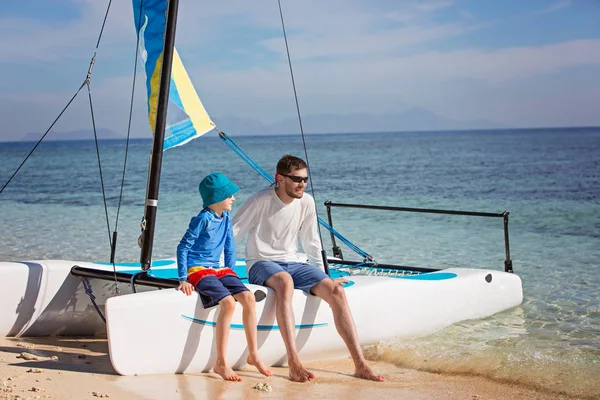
{"points": [[432, 5], [493, 67], [30, 40], [555, 7], [349, 56], [435, 80], [361, 43]]}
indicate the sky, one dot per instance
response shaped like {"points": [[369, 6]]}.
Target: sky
{"points": [[509, 63]]}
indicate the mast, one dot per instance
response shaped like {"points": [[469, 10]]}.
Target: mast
{"points": [[151, 203]]}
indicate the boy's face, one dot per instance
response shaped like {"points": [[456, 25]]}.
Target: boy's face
{"points": [[227, 203]]}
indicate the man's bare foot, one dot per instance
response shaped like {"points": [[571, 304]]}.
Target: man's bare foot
{"points": [[365, 372], [257, 362], [300, 374], [226, 373]]}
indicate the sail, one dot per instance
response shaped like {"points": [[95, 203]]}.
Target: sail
{"points": [[186, 117]]}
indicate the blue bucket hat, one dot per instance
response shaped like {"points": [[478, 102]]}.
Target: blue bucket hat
{"points": [[215, 188]]}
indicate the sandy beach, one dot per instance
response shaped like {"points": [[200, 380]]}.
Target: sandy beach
{"points": [[80, 368]]}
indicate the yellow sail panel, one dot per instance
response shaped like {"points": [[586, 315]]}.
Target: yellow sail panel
{"points": [[153, 84], [190, 101], [186, 117]]}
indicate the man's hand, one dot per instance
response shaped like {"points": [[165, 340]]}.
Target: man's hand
{"points": [[186, 287], [341, 281]]}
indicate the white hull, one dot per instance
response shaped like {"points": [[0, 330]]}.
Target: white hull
{"points": [[42, 298], [383, 308]]}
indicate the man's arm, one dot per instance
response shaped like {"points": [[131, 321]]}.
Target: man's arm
{"points": [[242, 222], [229, 250], [309, 236]]}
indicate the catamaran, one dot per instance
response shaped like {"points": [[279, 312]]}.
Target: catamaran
{"points": [[62, 297]]}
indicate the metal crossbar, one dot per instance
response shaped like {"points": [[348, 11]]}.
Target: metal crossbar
{"points": [[508, 266]]}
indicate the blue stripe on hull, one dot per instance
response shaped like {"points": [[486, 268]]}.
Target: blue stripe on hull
{"points": [[258, 327], [158, 263], [433, 276]]}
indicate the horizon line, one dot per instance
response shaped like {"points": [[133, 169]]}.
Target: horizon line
{"points": [[329, 133]]}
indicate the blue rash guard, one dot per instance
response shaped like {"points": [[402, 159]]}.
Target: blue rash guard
{"points": [[206, 238]]}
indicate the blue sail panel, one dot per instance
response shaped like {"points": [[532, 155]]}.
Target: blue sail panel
{"points": [[187, 118]]}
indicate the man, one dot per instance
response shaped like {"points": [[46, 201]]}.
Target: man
{"points": [[274, 219]]}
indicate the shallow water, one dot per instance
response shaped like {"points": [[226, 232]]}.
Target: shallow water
{"points": [[549, 181]]}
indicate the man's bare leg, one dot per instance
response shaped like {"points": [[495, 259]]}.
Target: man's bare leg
{"points": [[335, 296], [283, 286]]}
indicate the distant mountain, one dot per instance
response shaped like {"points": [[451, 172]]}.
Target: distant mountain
{"points": [[412, 119], [80, 134], [243, 126]]}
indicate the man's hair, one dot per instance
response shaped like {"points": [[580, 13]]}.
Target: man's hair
{"points": [[289, 164]]}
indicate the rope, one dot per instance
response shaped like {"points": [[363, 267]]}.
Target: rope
{"points": [[87, 82], [261, 171], [88, 290], [287, 49], [42, 138], [135, 63], [366, 256], [137, 48], [244, 156], [132, 280], [99, 162], [365, 269]]}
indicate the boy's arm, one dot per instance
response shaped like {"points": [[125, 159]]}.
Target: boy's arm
{"points": [[197, 224]]}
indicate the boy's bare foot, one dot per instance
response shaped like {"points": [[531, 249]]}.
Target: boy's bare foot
{"points": [[257, 362], [300, 374], [365, 372], [226, 373]]}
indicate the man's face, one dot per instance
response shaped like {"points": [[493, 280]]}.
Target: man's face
{"points": [[294, 189]]}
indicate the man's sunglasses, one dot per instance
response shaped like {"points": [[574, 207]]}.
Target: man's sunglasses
{"points": [[296, 179]]}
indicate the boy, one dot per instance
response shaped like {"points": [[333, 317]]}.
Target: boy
{"points": [[198, 254]]}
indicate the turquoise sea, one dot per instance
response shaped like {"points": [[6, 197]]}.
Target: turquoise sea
{"points": [[548, 179]]}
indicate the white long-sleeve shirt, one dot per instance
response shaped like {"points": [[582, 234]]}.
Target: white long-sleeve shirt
{"points": [[274, 227]]}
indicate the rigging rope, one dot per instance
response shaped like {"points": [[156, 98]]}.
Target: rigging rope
{"points": [[312, 190], [88, 290], [42, 138], [86, 82], [99, 162], [113, 246], [137, 49], [262, 172]]}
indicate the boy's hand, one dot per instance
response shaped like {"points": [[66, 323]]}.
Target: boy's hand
{"points": [[186, 287]]}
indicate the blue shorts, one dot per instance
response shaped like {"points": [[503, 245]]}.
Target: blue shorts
{"points": [[212, 289], [305, 276]]}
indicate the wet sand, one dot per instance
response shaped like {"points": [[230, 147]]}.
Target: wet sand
{"points": [[82, 370]]}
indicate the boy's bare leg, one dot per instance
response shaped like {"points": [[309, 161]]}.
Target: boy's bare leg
{"points": [[246, 299], [227, 307], [283, 286], [335, 296]]}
